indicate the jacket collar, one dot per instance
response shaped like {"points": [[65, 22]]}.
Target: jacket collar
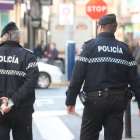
{"points": [[11, 43], [106, 34]]}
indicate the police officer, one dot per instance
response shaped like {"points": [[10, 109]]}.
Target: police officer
{"points": [[106, 66], [18, 75]]}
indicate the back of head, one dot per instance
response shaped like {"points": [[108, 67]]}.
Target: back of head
{"points": [[108, 23], [10, 32]]}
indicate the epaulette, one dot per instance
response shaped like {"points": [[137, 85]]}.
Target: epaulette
{"points": [[88, 40], [28, 50], [124, 43]]}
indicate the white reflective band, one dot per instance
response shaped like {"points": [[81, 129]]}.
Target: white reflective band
{"points": [[12, 72], [106, 59], [30, 65]]}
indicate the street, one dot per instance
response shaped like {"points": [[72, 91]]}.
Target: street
{"points": [[51, 121]]}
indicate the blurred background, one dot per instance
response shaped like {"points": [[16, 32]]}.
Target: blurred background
{"points": [[39, 20], [49, 26], [55, 32]]}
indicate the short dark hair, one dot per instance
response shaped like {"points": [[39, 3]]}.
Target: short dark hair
{"points": [[110, 27]]}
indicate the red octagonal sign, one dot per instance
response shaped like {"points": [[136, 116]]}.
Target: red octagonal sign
{"points": [[96, 8]]}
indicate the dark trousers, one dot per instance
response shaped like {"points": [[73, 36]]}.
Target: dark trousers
{"points": [[103, 111], [19, 122]]}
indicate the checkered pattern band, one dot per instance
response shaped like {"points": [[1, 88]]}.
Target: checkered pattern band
{"points": [[106, 59], [83, 59], [12, 72], [30, 65], [132, 63]]}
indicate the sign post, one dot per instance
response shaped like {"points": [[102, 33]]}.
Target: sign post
{"points": [[95, 9], [66, 14], [66, 18]]}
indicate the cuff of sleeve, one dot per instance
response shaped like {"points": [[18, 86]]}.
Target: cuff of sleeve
{"points": [[16, 102], [70, 99], [14, 106]]}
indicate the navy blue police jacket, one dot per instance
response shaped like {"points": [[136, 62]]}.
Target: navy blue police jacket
{"points": [[18, 75], [103, 62]]}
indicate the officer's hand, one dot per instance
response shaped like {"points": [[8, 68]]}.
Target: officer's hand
{"points": [[139, 113], [2, 112], [4, 100], [4, 103], [71, 109], [3, 106], [7, 109]]}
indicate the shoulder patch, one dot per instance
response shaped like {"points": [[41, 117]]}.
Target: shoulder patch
{"points": [[88, 40], [28, 50], [124, 43]]}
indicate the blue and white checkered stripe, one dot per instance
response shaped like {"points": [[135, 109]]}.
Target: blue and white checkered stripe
{"points": [[12, 72], [105, 59], [83, 59], [30, 65]]}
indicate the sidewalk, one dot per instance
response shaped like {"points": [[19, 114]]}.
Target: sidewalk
{"points": [[135, 120]]}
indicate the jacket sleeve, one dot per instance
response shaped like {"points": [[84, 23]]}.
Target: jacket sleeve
{"points": [[133, 78], [26, 90], [78, 76]]}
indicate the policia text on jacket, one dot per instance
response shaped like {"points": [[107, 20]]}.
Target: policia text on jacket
{"points": [[106, 66]]}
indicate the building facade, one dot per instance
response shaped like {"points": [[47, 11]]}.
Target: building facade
{"points": [[31, 16], [83, 29]]}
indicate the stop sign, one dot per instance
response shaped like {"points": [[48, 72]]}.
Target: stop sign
{"points": [[96, 8]]}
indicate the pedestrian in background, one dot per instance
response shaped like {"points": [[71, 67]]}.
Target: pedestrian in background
{"points": [[35, 51], [137, 58], [137, 48], [138, 61], [106, 66], [41, 49], [19, 74], [52, 54], [137, 55], [132, 48]]}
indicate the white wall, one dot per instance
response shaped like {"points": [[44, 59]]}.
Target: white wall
{"points": [[59, 36]]}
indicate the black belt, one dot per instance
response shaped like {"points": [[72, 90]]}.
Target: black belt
{"points": [[106, 92]]}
